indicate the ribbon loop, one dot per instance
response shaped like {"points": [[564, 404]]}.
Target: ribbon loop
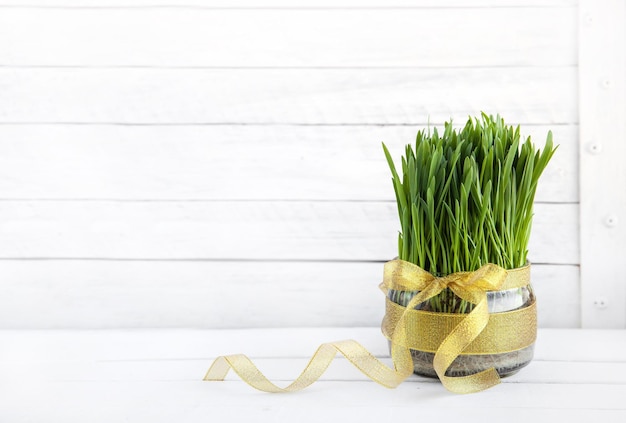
{"points": [[469, 286]]}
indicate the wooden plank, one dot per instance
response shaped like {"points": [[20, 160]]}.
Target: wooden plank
{"points": [[284, 370], [257, 38], [81, 365], [547, 244], [228, 162], [603, 175], [237, 230], [114, 294], [74, 381], [165, 401], [289, 4], [558, 295], [299, 96], [158, 345], [573, 345]]}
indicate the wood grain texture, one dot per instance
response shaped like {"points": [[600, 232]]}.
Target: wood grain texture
{"points": [[266, 230], [603, 176], [288, 37], [283, 371], [299, 96], [152, 376], [152, 294], [153, 401], [228, 162], [553, 345], [150, 147]]}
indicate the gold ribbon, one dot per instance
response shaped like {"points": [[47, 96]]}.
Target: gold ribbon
{"points": [[505, 332], [402, 275]]}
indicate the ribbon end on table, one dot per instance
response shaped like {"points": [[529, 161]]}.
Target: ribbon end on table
{"points": [[218, 370], [354, 352]]}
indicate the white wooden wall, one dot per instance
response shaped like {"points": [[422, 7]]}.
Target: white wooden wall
{"points": [[219, 163]]}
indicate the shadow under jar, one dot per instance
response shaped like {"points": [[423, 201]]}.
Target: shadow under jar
{"points": [[505, 364]]}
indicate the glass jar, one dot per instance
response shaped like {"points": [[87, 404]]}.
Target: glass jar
{"points": [[498, 301]]}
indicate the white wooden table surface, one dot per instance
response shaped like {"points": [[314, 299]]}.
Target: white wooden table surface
{"points": [[155, 376]]}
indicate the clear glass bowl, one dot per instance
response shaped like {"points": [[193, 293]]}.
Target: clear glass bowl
{"points": [[506, 363]]}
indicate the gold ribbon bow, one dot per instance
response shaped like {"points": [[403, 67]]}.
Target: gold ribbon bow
{"points": [[405, 276], [469, 286]]}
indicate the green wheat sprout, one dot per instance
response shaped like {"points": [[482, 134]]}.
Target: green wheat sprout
{"points": [[465, 198]]}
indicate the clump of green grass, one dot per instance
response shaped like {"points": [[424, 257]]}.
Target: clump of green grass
{"points": [[465, 197]]}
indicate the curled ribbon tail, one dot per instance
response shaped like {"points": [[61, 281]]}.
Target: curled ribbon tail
{"points": [[356, 354], [471, 287], [455, 343]]}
